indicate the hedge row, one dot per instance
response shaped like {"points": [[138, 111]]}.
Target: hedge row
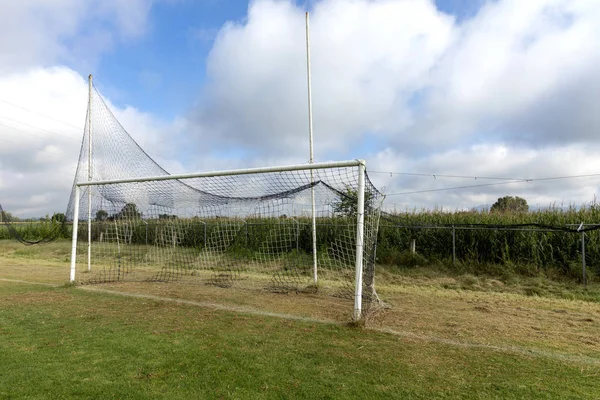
{"points": [[477, 237]]}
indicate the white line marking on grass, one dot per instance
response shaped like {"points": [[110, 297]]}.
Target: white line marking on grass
{"points": [[213, 306], [29, 282], [504, 349]]}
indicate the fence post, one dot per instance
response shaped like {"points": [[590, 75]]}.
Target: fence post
{"points": [[583, 272], [146, 222], [413, 246], [297, 233], [453, 245]]}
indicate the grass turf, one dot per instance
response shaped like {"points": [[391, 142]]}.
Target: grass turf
{"points": [[455, 337], [70, 343]]}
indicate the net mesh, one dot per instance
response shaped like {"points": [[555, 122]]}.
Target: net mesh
{"points": [[239, 231]]}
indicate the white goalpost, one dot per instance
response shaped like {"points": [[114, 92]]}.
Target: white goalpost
{"points": [[310, 146], [247, 228], [307, 227]]}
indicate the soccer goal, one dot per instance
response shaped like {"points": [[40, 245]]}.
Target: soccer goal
{"points": [[250, 228]]}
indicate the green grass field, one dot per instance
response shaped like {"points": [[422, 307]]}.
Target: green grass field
{"points": [[441, 337]]}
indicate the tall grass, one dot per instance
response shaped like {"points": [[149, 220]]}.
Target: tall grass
{"points": [[36, 230], [480, 243]]}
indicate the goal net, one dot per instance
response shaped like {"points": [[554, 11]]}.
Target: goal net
{"points": [[247, 229], [244, 229]]}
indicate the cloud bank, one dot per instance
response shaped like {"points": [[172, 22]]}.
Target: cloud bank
{"points": [[410, 88], [509, 91]]}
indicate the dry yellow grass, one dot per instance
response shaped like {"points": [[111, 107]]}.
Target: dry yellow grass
{"points": [[496, 319]]}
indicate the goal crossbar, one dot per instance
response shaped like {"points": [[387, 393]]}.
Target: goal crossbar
{"points": [[245, 171]]}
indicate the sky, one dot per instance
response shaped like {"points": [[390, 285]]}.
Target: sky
{"points": [[452, 103]]}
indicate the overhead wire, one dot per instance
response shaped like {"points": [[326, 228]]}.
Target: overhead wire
{"points": [[430, 175], [13, 128], [40, 114], [35, 127], [513, 181], [4, 138], [21, 130]]}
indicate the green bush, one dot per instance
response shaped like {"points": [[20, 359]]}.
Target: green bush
{"points": [[495, 251]]}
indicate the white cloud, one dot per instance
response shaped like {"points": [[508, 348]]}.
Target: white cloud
{"points": [[513, 166], [43, 100], [511, 91], [515, 71], [37, 153], [368, 58], [39, 144], [49, 32]]}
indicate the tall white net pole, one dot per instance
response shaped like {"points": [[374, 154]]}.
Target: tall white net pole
{"points": [[311, 160], [89, 252], [75, 226], [360, 223]]}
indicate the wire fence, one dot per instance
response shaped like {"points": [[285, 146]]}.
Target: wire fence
{"points": [[573, 250]]}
